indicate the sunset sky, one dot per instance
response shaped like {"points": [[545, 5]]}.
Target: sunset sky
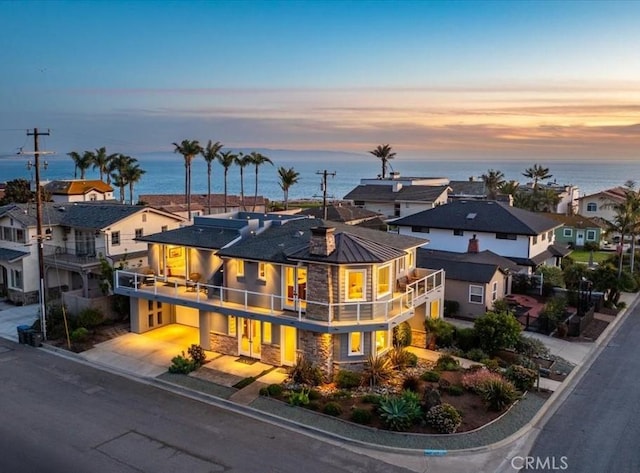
{"points": [[481, 80]]}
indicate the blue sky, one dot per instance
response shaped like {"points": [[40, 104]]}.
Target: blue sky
{"points": [[499, 80]]}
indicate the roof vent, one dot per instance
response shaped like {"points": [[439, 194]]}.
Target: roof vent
{"points": [[471, 216], [298, 234]]}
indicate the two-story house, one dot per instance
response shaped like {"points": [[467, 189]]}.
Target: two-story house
{"points": [[601, 204], [76, 235], [526, 238], [291, 285], [78, 190]]}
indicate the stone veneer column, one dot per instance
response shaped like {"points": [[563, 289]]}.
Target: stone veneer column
{"points": [[270, 354], [318, 349], [225, 344], [319, 288]]}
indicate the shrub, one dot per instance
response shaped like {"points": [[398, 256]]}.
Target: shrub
{"points": [[531, 347], [197, 354], [498, 394], [431, 376], [371, 399], [412, 359], [398, 413], [181, 364], [399, 357], [402, 335], [411, 383], [314, 395], [476, 354], [340, 394], [553, 313], [440, 331], [313, 405], [431, 398], [377, 370], [444, 418], [305, 372], [90, 318], [492, 364], [455, 390], [299, 398], [361, 416], [447, 363], [497, 330], [264, 391], [473, 381], [275, 390], [332, 409], [79, 335], [501, 305], [346, 379], [526, 362], [522, 378], [466, 338]]}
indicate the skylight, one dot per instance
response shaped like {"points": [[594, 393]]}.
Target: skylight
{"points": [[471, 216]]}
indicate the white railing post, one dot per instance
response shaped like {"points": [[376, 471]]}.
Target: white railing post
{"points": [[246, 300]]}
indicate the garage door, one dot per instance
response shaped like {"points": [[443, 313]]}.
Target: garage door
{"points": [[187, 316]]}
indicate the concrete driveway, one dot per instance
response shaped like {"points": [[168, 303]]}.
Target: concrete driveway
{"points": [[11, 316]]}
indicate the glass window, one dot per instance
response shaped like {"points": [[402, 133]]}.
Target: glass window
{"points": [[139, 232], [381, 338], [396, 210], [240, 267], [355, 343], [544, 236], [476, 294], [592, 207], [164, 228], [384, 280], [262, 271], [458, 233], [567, 232], [506, 236], [144, 217], [494, 291], [20, 235], [16, 278], [535, 240], [549, 236], [266, 332], [355, 285], [591, 235], [115, 238]]}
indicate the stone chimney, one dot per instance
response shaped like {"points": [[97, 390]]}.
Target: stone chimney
{"points": [[323, 241], [474, 245]]}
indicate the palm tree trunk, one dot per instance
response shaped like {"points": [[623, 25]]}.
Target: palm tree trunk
{"points": [[122, 194], [621, 254], [189, 191], [286, 199], [226, 171], [209, 188], [131, 193], [255, 197], [242, 189], [186, 182], [633, 253]]}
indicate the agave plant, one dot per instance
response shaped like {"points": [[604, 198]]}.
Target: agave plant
{"points": [[398, 413]]}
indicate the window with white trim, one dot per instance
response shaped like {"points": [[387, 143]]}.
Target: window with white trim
{"points": [[384, 280], [355, 343], [16, 279], [355, 281], [494, 291], [262, 271], [476, 294], [567, 232], [591, 235], [380, 341], [592, 207], [534, 239], [139, 232]]}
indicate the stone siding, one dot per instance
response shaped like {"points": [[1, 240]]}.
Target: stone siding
{"points": [[318, 349], [270, 355], [319, 288], [23, 298], [418, 338], [225, 344]]}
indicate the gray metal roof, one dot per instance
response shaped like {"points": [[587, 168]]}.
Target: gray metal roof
{"points": [[341, 213], [481, 216], [194, 236], [9, 255], [384, 193]]}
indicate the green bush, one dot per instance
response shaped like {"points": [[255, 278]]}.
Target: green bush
{"points": [[447, 363], [400, 357], [313, 405], [305, 372], [332, 409], [275, 390], [402, 335], [264, 391], [497, 331], [361, 416], [197, 354], [522, 378], [442, 332], [181, 364], [431, 376], [553, 313], [371, 399], [466, 338], [79, 335], [531, 347], [476, 354], [455, 390], [475, 380], [444, 418], [299, 398], [341, 394], [377, 370], [498, 394], [411, 383], [412, 360], [346, 379], [315, 395], [398, 413], [90, 318]]}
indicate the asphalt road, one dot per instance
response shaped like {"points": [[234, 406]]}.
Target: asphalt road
{"points": [[60, 416], [597, 428]]}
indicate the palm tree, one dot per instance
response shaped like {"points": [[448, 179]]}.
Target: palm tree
{"points": [[537, 173], [101, 161], [242, 161], [258, 160], [493, 180], [132, 175], [81, 162], [288, 177], [189, 149], [626, 221], [118, 173], [384, 153], [509, 187], [226, 159], [210, 154]]}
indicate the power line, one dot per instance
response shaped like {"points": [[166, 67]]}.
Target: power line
{"points": [[323, 186]]}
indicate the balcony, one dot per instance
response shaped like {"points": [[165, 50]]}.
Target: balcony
{"points": [[70, 258], [339, 317]]}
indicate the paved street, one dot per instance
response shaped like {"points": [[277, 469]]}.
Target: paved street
{"points": [[597, 429], [62, 416]]}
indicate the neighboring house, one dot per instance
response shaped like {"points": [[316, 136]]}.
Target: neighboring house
{"points": [[400, 196], [349, 214], [471, 189], [578, 230], [273, 287], [601, 203], [176, 203], [475, 279], [78, 190], [567, 196], [76, 236], [526, 238]]}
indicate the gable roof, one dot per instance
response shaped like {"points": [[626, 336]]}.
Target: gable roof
{"points": [[275, 243], [217, 200], [341, 213], [576, 221], [473, 267], [617, 194], [384, 193], [77, 187], [10, 255], [194, 236], [470, 188], [480, 216]]}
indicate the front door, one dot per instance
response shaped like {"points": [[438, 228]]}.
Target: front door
{"points": [[580, 238], [295, 290], [288, 345], [249, 339]]}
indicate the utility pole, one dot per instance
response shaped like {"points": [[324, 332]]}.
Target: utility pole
{"points": [[323, 187], [40, 236]]}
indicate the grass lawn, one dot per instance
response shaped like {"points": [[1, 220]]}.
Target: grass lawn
{"points": [[582, 256]]}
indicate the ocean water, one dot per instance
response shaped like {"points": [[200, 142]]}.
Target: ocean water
{"points": [[165, 172]]}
